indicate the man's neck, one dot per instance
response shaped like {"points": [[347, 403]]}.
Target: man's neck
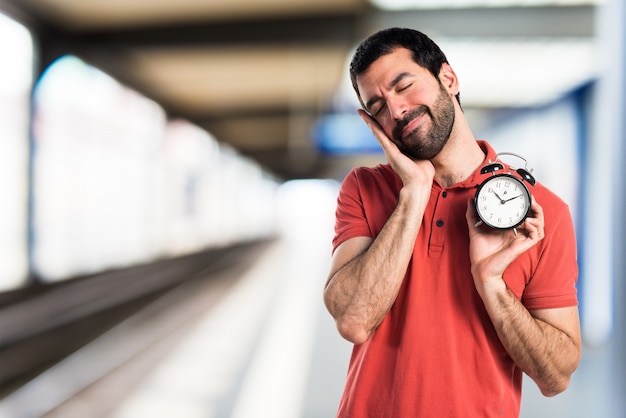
{"points": [[459, 159]]}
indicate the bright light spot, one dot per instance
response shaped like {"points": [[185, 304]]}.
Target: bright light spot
{"points": [[449, 4], [16, 50]]}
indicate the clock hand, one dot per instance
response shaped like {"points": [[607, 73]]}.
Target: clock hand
{"points": [[502, 201], [512, 198]]}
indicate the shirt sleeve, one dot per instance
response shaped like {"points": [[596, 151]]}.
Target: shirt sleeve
{"points": [[553, 283], [350, 219]]}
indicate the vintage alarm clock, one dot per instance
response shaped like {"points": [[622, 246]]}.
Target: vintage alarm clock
{"points": [[503, 200]]}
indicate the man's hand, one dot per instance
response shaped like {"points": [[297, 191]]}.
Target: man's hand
{"points": [[492, 250], [419, 172]]}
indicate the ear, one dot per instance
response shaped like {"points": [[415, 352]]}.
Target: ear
{"points": [[448, 78]]}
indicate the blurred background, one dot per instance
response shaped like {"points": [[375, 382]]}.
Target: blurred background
{"points": [[168, 176]]}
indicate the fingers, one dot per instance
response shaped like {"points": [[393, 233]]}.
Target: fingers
{"points": [[471, 216], [379, 133], [417, 172], [534, 223], [536, 209]]}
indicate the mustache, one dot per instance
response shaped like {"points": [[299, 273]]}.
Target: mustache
{"points": [[402, 123]]}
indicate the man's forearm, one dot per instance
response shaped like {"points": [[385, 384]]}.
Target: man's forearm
{"points": [[545, 353]]}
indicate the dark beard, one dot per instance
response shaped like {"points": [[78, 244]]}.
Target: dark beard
{"points": [[424, 145]]}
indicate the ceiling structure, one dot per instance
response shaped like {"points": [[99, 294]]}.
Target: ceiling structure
{"points": [[258, 74]]}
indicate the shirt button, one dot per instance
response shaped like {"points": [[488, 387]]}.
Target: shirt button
{"points": [[444, 194], [439, 223]]}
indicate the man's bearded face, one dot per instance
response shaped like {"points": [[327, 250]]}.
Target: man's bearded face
{"points": [[428, 139]]}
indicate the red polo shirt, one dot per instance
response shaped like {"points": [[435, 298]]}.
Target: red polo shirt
{"points": [[436, 353]]}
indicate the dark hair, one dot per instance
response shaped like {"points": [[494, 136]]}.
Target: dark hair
{"points": [[425, 52]]}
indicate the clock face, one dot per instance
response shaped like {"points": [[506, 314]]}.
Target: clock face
{"points": [[502, 201]]}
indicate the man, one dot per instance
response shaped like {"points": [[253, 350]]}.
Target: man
{"points": [[445, 313]]}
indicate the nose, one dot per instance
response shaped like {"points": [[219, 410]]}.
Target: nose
{"points": [[398, 107]]}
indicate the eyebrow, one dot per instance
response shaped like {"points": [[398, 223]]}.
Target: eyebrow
{"points": [[391, 85]]}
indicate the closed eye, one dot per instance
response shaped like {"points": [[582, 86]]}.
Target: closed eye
{"points": [[380, 109]]}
